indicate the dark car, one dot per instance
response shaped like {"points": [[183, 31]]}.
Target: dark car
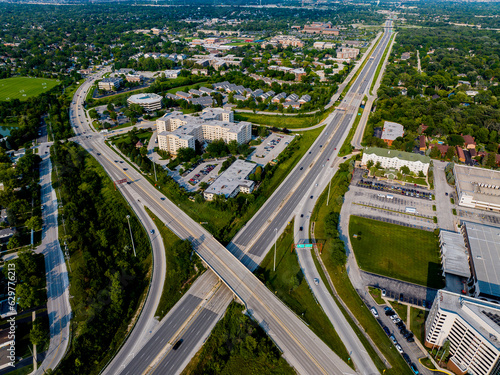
{"points": [[124, 169], [406, 357], [301, 168], [311, 197], [177, 344], [301, 229], [410, 339], [162, 198], [403, 332], [301, 215], [386, 330], [414, 369]]}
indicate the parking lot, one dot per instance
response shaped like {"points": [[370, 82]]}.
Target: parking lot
{"points": [[204, 172], [270, 148], [375, 205]]}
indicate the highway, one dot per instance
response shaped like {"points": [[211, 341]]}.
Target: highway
{"points": [[301, 348], [58, 306]]}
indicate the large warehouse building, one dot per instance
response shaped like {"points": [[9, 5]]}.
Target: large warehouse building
{"points": [[477, 187], [472, 328]]}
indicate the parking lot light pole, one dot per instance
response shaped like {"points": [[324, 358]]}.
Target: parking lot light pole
{"points": [[132, 238], [275, 240]]}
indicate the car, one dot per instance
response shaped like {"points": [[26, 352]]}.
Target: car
{"points": [[309, 151], [446, 194], [301, 168], [312, 196], [301, 229], [386, 330], [399, 348], [384, 292], [387, 308], [162, 198], [393, 339], [406, 357], [316, 184], [335, 148], [301, 215], [121, 161], [316, 281], [400, 324], [152, 231], [396, 321], [410, 339], [403, 332], [116, 161], [320, 146], [124, 169], [177, 344], [390, 313], [345, 157], [414, 369], [374, 312], [395, 316], [98, 154]]}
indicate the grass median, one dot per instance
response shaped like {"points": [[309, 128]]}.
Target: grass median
{"points": [[180, 273], [281, 121], [289, 284]]}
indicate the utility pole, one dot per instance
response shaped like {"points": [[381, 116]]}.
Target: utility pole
{"points": [[132, 238], [328, 196], [275, 240]]}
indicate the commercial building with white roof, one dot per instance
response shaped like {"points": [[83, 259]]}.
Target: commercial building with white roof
{"points": [[391, 131], [472, 328], [149, 101], [176, 130], [477, 187], [232, 181]]}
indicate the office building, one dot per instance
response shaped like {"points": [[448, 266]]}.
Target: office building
{"points": [[109, 84], [391, 131], [477, 187], [472, 328], [232, 181], [149, 101]]}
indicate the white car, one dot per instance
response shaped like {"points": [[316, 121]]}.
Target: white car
{"points": [[384, 292], [399, 348], [396, 321], [316, 281], [374, 312], [394, 317]]}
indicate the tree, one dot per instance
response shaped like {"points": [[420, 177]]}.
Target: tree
{"points": [[34, 223], [13, 243], [26, 295], [110, 107], [405, 170], [37, 334], [233, 147], [93, 114], [217, 148], [369, 164], [435, 153], [450, 153], [185, 154], [455, 140]]}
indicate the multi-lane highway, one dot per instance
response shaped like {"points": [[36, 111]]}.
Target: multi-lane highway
{"points": [[301, 348]]}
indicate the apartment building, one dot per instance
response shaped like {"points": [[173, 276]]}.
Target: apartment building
{"points": [[472, 328], [176, 130], [477, 187], [394, 159], [347, 53]]}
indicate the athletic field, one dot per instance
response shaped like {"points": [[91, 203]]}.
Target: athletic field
{"points": [[23, 87]]}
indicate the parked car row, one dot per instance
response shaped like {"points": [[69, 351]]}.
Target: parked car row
{"points": [[203, 172], [398, 189]]}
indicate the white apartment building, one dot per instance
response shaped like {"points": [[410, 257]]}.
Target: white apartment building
{"points": [[394, 159], [176, 130], [471, 326], [477, 187]]}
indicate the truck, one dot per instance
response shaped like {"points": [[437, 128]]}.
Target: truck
{"points": [[390, 196], [411, 210]]}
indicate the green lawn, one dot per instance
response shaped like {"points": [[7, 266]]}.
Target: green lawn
{"points": [[417, 323], [395, 251], [24, 87], [401, 310], [279, 121], [347, 147], [189, 87], [376, 294], [290, 286]]}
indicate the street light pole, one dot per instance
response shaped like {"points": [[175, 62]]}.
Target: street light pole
{"points": [[275, 240], [132, 238], [328, 196], [154, 166]]}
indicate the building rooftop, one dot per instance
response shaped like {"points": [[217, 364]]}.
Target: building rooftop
{"points": [[144, 98], [484, 241], [392, 130], [482, 184], [483, 316], [231, 178], [455, 258], [384, 152]]}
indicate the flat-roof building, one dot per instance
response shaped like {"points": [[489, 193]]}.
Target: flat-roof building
{"points": [[109, 84], [232, 181], [150, 102], [483, 245], [477, 187], [391, 131], [394, 159], [472, 328]]}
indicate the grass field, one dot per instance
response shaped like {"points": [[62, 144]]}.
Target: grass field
{"points": [[289, 122], [412, 254], [291, 287], [24, 87], [417, 323]]}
